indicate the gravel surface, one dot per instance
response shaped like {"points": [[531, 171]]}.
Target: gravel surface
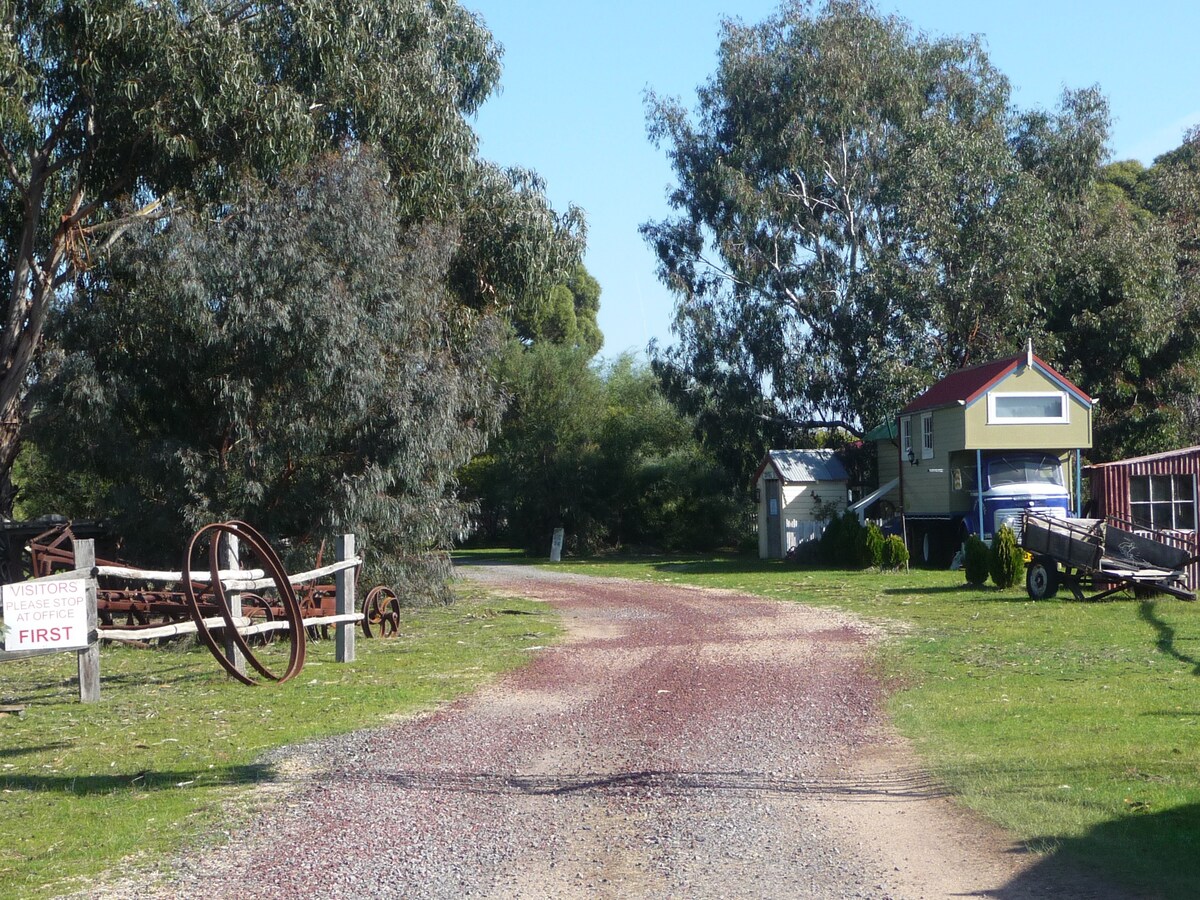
{"points": [[679, 743]]}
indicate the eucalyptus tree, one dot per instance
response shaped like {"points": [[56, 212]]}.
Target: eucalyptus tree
{"points": [[293, 358], [851, 218], [597, 449], [114, 113]]}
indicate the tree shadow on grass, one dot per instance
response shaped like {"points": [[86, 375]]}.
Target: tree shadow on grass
{"points": [[983, 594], [13, 752], [147, 780], [1165, 641], [1142, 854]]}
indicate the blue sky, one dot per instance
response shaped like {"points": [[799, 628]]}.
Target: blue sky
{"points": [[575, 73]]}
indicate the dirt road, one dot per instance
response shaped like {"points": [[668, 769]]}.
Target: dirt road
{"points": [[679, 743]]}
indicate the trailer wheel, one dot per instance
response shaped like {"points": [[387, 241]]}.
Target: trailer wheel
{"points": [[1041, 579]]}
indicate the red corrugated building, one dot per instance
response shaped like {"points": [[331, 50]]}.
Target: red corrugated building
{"points": [[1155, 492]]}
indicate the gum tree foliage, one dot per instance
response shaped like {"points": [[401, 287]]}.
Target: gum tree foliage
{"points": [[601, 452], [293, 359], [1120, 319], [110, 109], [1123, 305], [1172, 191], [568, 314], [851, 217]]}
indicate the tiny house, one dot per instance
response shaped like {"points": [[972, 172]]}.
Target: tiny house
{"points": [[980, 447], [797, 492]]}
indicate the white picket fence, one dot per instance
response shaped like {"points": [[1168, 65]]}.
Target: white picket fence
{"points": [[797, 532]]}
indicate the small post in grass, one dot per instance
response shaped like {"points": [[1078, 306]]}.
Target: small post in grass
{"points": [[344, 584], [89, 657], [230, 558]]}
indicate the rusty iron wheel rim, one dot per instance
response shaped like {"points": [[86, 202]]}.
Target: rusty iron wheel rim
{"points": [[247, 536]]}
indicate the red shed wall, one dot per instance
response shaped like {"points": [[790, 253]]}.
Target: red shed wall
{"points": [[1110, 491]]}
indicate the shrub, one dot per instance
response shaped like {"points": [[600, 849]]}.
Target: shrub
{"points": [[976, 561], [807, 553], [1007, 559], [831, 540], [870, 547], [849, 537], [895, 554]]}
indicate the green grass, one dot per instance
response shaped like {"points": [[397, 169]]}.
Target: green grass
{"points": [[173, 745], [1073, 725]]}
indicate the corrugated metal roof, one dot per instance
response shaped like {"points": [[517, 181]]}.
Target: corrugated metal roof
{"points": [[1153, 457], [885, 431], [967, 384], [808, 465]]}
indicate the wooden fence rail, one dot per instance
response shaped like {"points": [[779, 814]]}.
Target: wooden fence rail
{"points": [[234, 579]]}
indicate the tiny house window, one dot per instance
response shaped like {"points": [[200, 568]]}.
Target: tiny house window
{"points": [[906, 438], [1163, 502], [927, 436], [1035, 408]]}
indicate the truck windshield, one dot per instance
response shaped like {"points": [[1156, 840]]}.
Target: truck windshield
{"points": [[1025, 470]]}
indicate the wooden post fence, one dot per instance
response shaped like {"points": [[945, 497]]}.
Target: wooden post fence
{"points": [[345, 620], [344, 583], [89, 657], [231, 559]]}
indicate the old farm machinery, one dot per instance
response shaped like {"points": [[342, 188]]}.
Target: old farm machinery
{"points": [[213, 592], [1104, 557]]}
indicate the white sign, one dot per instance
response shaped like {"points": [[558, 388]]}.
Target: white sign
{"points": [[556, 545], [41, 615]]}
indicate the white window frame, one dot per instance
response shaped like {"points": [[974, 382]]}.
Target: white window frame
{"points": [[1064, 419], [1174, 502], [927, 436], [906, 437]]}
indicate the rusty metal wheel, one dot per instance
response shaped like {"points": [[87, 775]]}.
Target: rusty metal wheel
{"points": [[381, 612], [216, 535], [259, 608]]}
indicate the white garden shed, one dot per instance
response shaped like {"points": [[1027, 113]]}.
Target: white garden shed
{"points": [[796, 490]]}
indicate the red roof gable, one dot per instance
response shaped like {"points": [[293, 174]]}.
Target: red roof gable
{"points": [[966, 385]]}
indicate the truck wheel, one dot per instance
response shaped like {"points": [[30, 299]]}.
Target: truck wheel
{"points": [[1041, 579], [935, 547]]}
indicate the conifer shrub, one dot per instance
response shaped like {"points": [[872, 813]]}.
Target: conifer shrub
{"points": [[895, 554], [976, 561], [849, 538], [870, 547], [1007, 560], [830, 541]]}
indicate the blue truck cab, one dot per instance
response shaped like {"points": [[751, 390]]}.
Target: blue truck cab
{"points": [[1015, 481]]}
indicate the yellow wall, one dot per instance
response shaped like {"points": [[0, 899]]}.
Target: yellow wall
{"points": [[982, 436], [927, 483], [958, 431]]}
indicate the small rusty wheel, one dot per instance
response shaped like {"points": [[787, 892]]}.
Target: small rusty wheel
{"points": [[257, 607], [381, 612]]}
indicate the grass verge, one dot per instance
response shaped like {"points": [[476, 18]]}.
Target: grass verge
{"points": [[156, 763], [1074, 726]]}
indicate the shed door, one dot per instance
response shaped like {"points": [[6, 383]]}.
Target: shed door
{"points": [[774, 531]]}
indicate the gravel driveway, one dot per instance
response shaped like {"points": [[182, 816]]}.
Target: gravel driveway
{"points": [[679, 743]]}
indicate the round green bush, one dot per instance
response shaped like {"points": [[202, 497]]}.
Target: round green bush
{"points": [[895, 554], [976, 561], [1007, 562]]}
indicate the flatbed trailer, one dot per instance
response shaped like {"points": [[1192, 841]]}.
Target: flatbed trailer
{"points": [[1102, 556]]}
